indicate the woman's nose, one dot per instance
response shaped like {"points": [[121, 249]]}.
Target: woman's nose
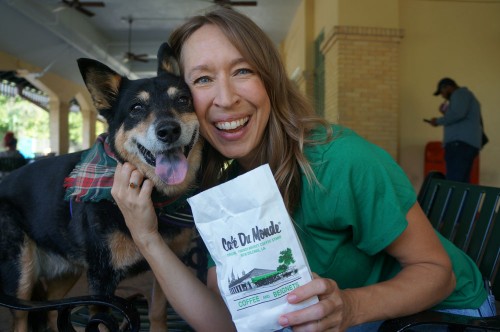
{"points": [[226, 94]]}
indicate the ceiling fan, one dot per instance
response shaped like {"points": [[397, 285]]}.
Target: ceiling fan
{"points": [[229, 3], [80, 6], [129, 56]]}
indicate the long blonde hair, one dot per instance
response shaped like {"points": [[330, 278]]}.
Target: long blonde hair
{"points": [[291, 118]]}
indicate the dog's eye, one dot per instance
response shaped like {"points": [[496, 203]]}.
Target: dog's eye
{"points": [[137, 108], [183, 100]]}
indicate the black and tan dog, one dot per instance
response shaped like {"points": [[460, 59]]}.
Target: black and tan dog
{"points": [[57, 218]]}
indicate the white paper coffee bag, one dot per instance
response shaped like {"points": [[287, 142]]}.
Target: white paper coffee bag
{"points": [[250, 236]]}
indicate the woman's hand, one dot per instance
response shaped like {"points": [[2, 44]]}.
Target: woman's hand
{"points": [[331, 313], [132, 193]]}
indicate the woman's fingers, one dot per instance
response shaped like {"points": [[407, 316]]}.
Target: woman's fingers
{"points": [[132, 194], [146, 189], [326, 315], [121, 178], [127, 181], [317, 287]]}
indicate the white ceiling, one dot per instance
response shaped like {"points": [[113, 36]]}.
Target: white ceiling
{"points": [[50, 35]]}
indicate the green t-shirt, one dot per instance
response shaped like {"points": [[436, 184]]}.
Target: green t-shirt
{"points": [[345, 223], [359, 208]]}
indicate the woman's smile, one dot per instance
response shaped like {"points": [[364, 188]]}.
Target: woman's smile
{"points": [[231, 126]]}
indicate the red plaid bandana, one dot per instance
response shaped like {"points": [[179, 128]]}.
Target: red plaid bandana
{"points": [[92, 178]]}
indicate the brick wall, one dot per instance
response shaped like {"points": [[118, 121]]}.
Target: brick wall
{"points": [[361, 82]]}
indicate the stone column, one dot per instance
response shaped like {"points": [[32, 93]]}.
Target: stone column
{"points": [[59, 135]]}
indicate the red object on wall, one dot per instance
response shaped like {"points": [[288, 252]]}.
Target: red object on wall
{"points": [[434, 161]]}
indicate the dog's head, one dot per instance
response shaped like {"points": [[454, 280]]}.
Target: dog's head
{"points": [[151, 121]]}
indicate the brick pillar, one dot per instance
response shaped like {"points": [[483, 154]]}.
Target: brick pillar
{"points": [[362, 82]]}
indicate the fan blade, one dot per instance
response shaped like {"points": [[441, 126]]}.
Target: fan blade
{"points": [[136, 57], [141, 57], [58, 9], [93, 4], [241, 3], [70, 3], [84, 11], [235, 3]]}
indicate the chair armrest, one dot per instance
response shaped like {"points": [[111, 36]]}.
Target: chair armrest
{"points": [[65, 306], [440, 318]]}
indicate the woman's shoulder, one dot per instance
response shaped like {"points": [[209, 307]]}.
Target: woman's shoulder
{"points": [[345, 142], [349, 155]]}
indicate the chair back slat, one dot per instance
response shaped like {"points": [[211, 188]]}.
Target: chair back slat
{"points": [[438, 206], [8, 164], [489, 261], [454, 213], [482, 230], [467, 222], [467, 215], [429, 191]]}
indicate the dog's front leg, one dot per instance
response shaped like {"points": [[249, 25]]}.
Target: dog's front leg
{"points": [[157, 309], [27, 282], [20, 321], [57, 289]]}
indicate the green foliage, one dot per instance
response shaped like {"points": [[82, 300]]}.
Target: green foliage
{"points": [[286, 258], [75, 123], [100, 127], [30, 123], [282, 268], [23, 118]]}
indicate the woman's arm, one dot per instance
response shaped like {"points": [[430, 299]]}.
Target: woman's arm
{"points": [[201, 307], [426, 279]]}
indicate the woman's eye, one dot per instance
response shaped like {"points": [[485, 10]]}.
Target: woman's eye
{"points": [[244, 71], [202, 80]]}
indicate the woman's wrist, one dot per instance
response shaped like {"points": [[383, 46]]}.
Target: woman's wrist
{"points": [[148, 241], [351, 308]]}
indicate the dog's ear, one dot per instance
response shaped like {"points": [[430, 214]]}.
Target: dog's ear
{"points": [[167, 61], [102, 82]]}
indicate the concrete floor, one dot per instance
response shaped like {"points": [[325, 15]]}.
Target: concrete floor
{"points": [[141, 284]]}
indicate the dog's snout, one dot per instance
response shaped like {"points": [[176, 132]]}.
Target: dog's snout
{"points": [[168, 131]]}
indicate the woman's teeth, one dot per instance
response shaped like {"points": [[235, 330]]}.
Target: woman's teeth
{"points": [[232, 124]]}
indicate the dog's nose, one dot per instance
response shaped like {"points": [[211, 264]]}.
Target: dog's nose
{"points": [[168, 131]]}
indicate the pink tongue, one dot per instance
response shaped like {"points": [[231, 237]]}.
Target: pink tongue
{"points": [[171, 167]]}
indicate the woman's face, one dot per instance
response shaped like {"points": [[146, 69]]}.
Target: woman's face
{"points": [[230, 99]]}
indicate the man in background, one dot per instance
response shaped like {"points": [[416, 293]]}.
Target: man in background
{"points": [[11, 158], [463, 130], [10, 143]]}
